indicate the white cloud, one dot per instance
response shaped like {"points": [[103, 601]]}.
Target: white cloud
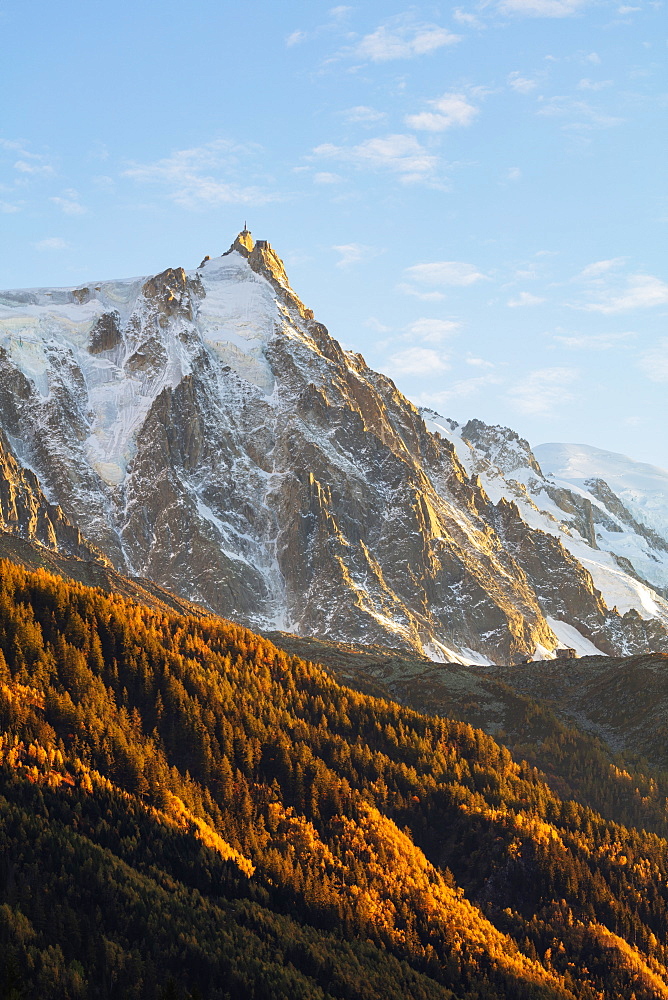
{"points": [[52, 243], [513, 174], [98, 151], [433, 331], [587, 84], [295, 38], [416, 293], [401, 154], [69, 203], [654, 363], [600, 267], [580, 114], [466, 18], [525, 299], [542, 8], [29, 164], [594, 341], [449, 110], [642, 291], [398, 38], [374, 324], [33, 169], [445, 272], [195, 178], [461, 389], [522, 84], [324, 177], [364, 115], [353, 253], [418, 361], [480, 363], [8, 208], [542, 390]]}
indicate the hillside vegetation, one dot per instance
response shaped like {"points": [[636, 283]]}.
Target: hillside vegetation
{"points": [[595, 726], [189, 811]]}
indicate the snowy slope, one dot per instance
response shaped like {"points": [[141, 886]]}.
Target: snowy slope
{"points": [[598, 535], [642, 488]]}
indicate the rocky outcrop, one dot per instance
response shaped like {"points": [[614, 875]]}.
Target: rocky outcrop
{"points": [[105, 334], [501, 446], [25, 512]]}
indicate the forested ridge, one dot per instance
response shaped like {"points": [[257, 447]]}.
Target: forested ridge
{"points": [[188, 811]]}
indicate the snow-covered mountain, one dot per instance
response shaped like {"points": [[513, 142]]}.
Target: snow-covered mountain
{"points": [[626, 557], [642, 488], [203, 430]]}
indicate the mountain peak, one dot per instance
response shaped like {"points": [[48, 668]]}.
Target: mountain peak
{"points": [[261, 256], [244, 242]]}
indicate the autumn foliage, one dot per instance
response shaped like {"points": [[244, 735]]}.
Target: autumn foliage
{"points": [[188, 811]]}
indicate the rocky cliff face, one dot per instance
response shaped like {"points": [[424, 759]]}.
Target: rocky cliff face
{"points": [[206, 432], [25, 513]]}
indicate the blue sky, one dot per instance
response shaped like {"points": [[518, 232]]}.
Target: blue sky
{"points": [[472, 196]]}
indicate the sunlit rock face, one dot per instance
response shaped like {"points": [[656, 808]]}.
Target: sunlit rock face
{"points": [[205, 431], [25, 513]]}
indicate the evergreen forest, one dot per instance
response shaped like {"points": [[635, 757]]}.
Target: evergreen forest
{"points": [[189, 811]]}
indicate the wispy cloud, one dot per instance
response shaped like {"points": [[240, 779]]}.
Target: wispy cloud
{"points": [[372, 323], [461, 389], [9, 208], [354, 253], [594, 341], [600, 267], [417, 361], [480, 363], [325, 177], [654, 363], [587, 84], [577, 115], [336, 16], [609, 291], [401, 38], [466, 18], [642, 291], [417, 293], [28, 164], [52, 243], [401, 154], [542, 8], [448, 110], [542, 390], [199, 177], [522, 84], [33, 168], [364, 115], [525, 299], [445, 272], [69, 203], [433, 331]]}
